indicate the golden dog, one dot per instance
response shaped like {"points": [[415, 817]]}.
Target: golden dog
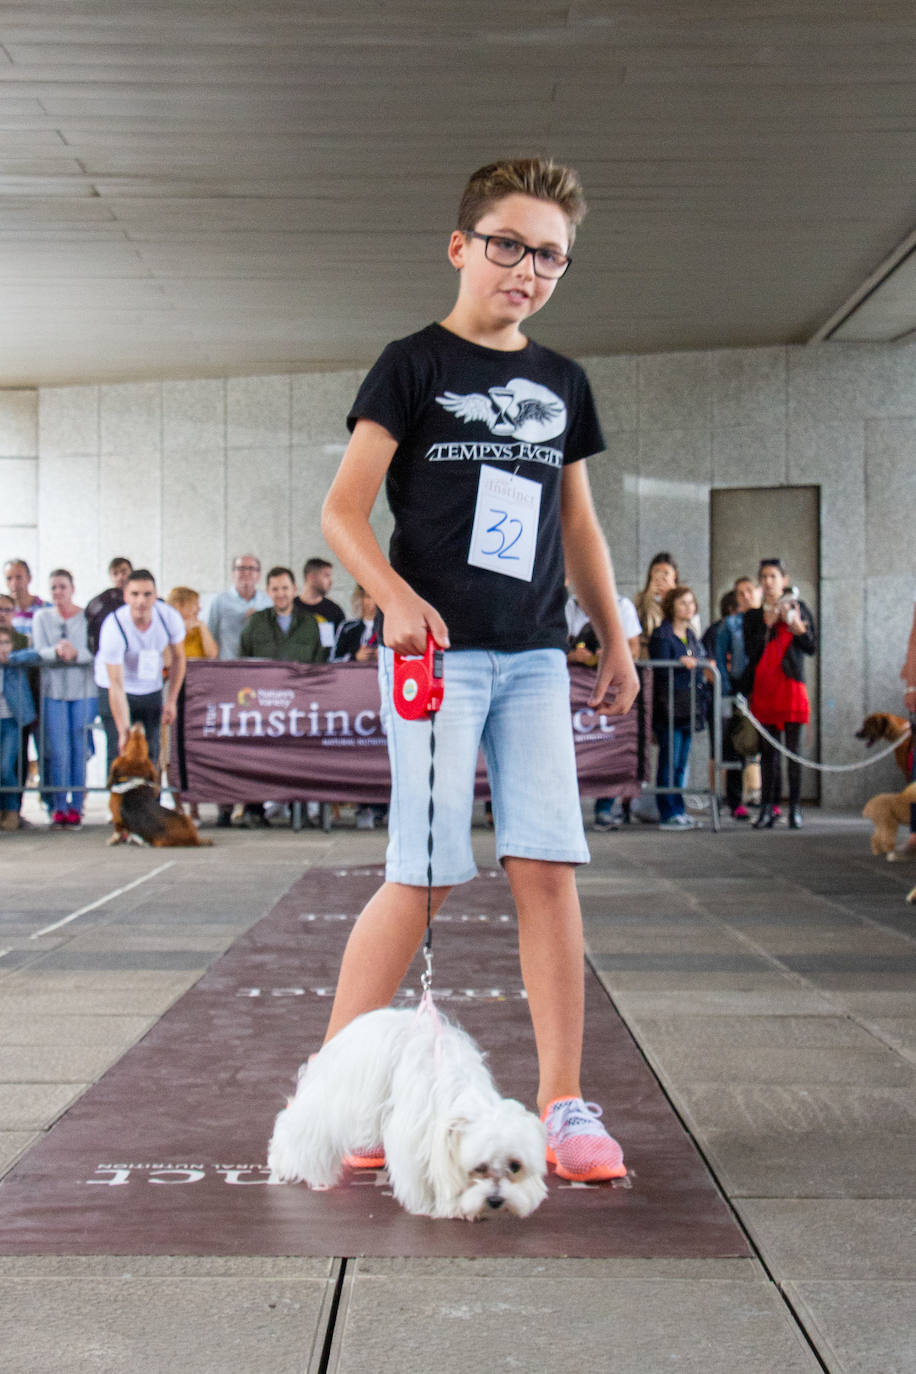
{"points": [[887, 811], [134, 801], [882, 725]]}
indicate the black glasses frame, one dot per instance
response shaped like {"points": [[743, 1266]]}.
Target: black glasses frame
{"points": [[486, 239]]}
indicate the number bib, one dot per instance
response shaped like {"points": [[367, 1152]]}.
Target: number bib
{"points": [[149, 665], [504, 536]]}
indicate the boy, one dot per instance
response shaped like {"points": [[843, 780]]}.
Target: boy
{"points": [[479, 435]]}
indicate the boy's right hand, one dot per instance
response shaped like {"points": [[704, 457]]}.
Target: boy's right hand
{"points": [[616, 683], [407, 620]]}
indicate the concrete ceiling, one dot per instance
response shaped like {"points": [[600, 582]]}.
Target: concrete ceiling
{"points": [[222, 186]]}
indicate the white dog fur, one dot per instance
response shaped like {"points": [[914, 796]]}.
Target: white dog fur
{"points": [[416, 1083]]}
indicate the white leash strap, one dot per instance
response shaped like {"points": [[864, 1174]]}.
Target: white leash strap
{"points": [[741, 704]]}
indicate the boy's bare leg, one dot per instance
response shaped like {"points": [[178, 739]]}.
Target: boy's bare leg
{"points": [[552, 953], [379, 950]]}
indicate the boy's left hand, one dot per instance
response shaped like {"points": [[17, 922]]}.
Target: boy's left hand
{"points": [[616, 681]]}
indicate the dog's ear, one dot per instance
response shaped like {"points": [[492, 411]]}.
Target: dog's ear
{"points": [[874, 727], [445, 1172]]}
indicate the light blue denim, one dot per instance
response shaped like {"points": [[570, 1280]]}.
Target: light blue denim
{"points": [[673, 758], [9, 764], [515, 707], [66, 733]]}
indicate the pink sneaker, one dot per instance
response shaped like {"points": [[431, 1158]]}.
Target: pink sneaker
{"points": [[58, 820], [73, 818], [577, 1143]]}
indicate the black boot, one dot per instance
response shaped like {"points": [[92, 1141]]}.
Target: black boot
{"points": [[795, 818], [765, 819]]}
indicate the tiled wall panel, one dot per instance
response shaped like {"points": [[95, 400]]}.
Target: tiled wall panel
{"points": [[183, 474]]}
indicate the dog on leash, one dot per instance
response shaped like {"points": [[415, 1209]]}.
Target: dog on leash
{"points": [[887, 811], [881, 725], [417, 1084], [134, 801]]}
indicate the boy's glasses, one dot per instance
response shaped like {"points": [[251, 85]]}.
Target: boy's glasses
{"points": [[510, 252]]}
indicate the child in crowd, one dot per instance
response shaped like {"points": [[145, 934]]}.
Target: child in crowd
{"points": [[480, 436], [17, 710], [678, 710], [198, 639]]}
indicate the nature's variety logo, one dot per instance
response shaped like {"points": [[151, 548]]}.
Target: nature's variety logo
{"points": [[244, 695]]}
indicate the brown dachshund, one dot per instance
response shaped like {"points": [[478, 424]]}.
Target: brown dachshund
{"points": [[134, 801], [881, 725]]}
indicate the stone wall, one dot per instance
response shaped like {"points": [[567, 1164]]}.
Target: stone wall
{"points": [[182, 475]]}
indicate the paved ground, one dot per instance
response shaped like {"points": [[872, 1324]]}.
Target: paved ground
{"points": [[769, 980]]}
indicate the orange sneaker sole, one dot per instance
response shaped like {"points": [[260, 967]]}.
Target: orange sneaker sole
{"points": [[593, 1175], [598, 1175], [365, 1161]]}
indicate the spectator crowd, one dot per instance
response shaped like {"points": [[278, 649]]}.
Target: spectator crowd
{"points": [[122, 658]]}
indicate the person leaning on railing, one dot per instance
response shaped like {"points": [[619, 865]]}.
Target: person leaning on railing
{"points": [[69, 699]]}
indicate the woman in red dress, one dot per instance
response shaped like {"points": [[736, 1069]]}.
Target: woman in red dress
{"points": [[777, 637]]}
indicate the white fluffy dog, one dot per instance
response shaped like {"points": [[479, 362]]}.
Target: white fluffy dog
{"points": [[415, 1083]]}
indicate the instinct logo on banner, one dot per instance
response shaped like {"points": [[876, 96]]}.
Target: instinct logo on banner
{"points": [[270, 713]]}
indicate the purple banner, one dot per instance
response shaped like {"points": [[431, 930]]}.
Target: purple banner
{"points": [[250, 730]]}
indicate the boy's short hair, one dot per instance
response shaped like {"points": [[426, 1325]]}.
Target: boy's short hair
{"points": [[540, 177], [119, 563], [771, 563], [61, 572], [142, 575], [282, 572]]}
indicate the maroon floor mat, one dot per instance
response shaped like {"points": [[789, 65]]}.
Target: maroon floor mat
{"points": [[164, 1155]]}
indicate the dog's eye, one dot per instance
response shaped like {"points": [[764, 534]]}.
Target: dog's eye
{"points": [[482, 1170], [514, 1166]]}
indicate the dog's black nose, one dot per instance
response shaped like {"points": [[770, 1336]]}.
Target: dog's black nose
{"points": [[495, 1202]]}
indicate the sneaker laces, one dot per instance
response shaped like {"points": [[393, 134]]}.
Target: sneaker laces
{"points": [[573, 1116]]}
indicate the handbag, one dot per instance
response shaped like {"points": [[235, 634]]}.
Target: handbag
{"points": [[743, 734]]}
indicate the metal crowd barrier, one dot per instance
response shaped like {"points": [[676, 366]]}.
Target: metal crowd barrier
{"points": [[705, 669], [35, 746]]}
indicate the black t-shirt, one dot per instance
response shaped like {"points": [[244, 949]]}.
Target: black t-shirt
{"points": [[452, 405], [99, 607], [326, 608]]}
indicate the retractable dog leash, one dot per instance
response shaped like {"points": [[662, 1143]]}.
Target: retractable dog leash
{"points": [[418, 691]]}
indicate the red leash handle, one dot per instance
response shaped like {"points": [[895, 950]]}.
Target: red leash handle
{"points": [[418, 682]]}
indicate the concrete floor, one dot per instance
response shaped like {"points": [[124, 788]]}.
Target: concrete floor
{"points": [[769, 980]]}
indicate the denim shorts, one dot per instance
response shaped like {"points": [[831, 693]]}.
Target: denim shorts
{"points": [[515, 707]]}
